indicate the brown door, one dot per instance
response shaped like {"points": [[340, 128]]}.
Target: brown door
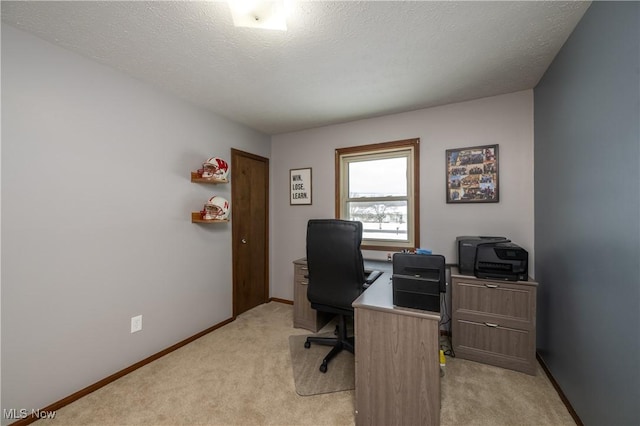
{"points": [[250, 218]]}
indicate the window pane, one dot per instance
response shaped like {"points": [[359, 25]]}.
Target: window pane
{"points": [[378, 178], [381, 220], [376, 184]]}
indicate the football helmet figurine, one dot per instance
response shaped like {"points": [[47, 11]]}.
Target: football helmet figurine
{"points": [[216, 207], [215, 168]]}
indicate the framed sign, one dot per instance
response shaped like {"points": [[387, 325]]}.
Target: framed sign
{"points": [[472, 175], [300, 186]]}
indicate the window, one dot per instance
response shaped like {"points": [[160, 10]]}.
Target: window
{"points": [[378, 186]]}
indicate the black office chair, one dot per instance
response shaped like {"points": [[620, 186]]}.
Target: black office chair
{"points": [[336, 277]]}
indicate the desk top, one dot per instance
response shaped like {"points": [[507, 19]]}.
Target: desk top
{"points": [[378, 265]]}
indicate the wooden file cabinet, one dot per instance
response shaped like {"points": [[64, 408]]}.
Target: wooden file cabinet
{"points": [[494, 321], [303, 315]]}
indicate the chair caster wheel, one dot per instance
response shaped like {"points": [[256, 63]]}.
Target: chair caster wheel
{"points": [[307, 345], [323, 368]]}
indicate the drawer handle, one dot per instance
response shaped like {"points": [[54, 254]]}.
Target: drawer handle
{"points": [[491, 285], [490, 324], [304, 268], [304, 282]]}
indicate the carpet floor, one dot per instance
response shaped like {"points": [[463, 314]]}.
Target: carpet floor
{"points": [[241, 374]]}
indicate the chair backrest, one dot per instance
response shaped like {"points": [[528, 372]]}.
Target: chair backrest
{"points": [[334, 259]]}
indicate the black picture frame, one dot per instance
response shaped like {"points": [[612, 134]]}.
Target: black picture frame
{"points": [[472, 175], [300, 187]]}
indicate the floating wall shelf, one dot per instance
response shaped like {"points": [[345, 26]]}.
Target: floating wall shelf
{"points": [[195, 177], [196, 217]]}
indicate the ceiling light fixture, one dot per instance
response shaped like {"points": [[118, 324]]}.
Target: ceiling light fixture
{"points": [[265, 14]]}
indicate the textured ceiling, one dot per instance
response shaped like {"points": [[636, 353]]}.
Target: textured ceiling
{"points": [[339, 60]]}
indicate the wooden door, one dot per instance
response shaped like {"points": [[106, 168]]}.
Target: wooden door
{"points": [[250, 230]]}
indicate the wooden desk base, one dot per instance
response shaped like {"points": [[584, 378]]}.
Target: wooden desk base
{"points": [[397, 369], [397, 361]]}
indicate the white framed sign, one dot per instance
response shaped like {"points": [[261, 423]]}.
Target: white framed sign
{"points": [[300, 186]]}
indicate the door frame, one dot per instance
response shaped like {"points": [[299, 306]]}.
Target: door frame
{"points": [[236, 220]]}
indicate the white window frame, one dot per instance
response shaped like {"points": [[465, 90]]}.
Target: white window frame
{"points": [[408, 148]]}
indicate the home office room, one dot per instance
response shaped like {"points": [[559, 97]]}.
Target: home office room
{"points": [[176, 203]]}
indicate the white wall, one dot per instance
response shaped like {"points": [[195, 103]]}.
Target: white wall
{"points": [[506, 120], [96, 220]]}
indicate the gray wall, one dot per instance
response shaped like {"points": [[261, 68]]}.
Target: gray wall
{"points": [[587, 215], [96, 220]]}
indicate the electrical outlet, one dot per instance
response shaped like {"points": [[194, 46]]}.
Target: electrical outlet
{"points": [[136, 323]]}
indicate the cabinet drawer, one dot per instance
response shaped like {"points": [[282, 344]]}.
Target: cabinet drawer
{"points": [[303, 315], [511, 301], [300, 271], [496, 345], [493, 338]]}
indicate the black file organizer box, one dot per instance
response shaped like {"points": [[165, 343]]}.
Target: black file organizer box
{"points": [[418, 280]]}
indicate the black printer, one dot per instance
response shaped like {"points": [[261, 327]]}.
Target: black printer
{"points": [[418, 280], [501, 260], [467, 251]]}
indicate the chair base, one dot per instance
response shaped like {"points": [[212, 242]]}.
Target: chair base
{"points": [[339, 343]]}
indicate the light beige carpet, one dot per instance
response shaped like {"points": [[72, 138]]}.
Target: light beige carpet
{"points": [[340, 375], [241, 374], [478, 394]]}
